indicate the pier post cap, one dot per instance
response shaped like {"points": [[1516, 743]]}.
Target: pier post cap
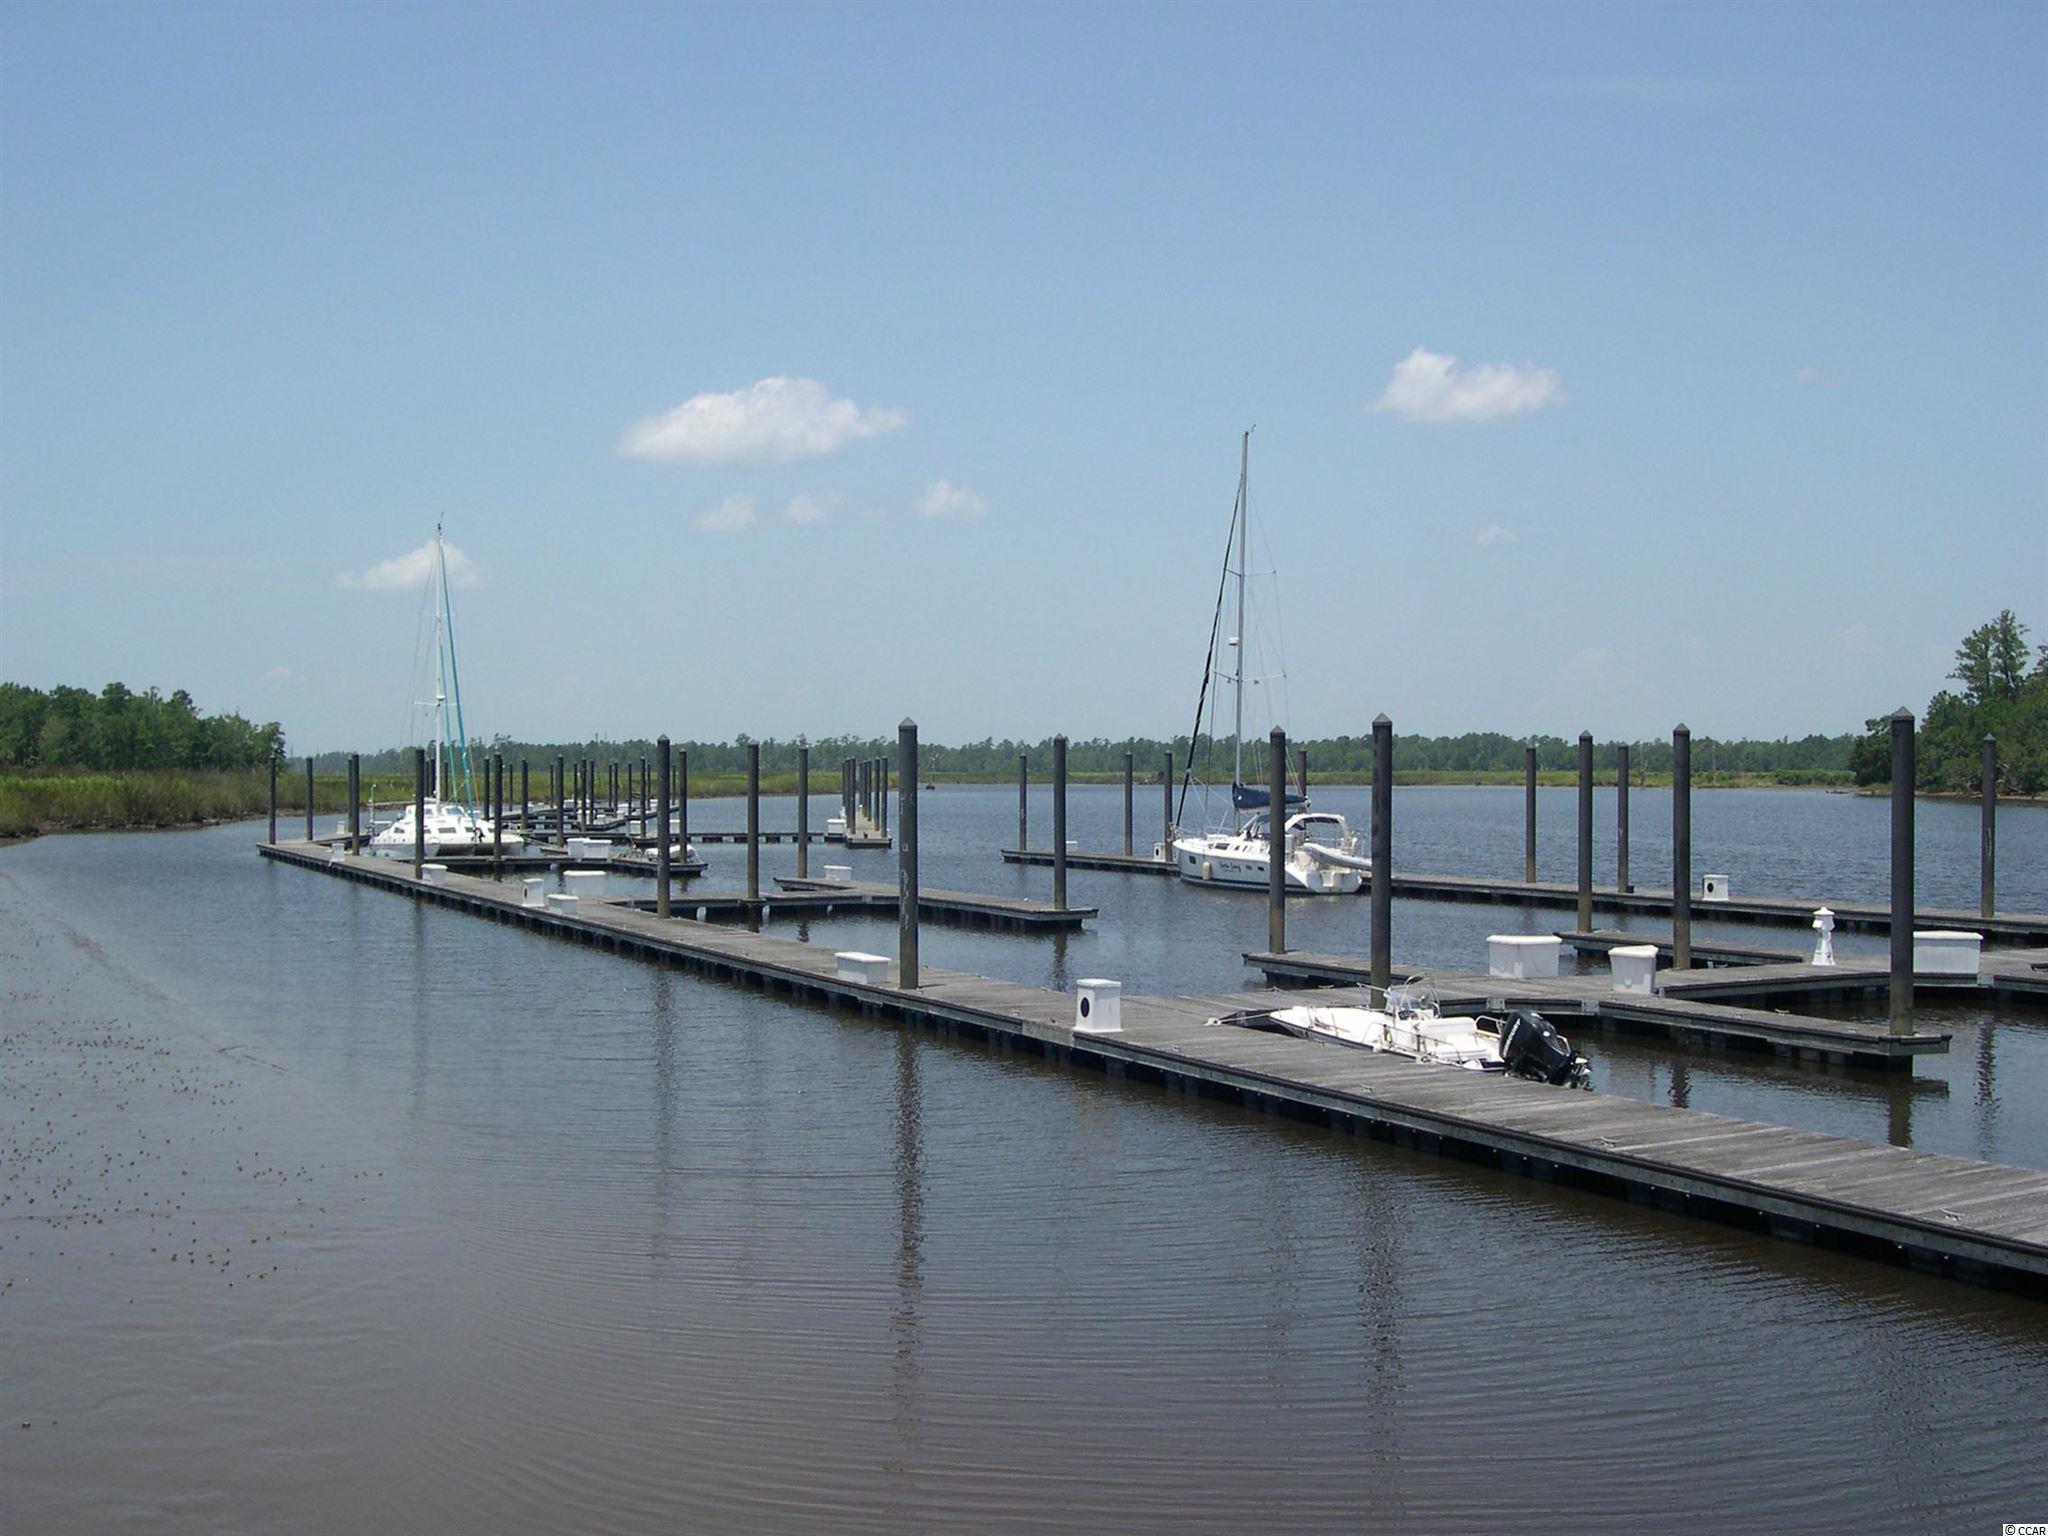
{"points": [[661, 741], [1990, 740], [1278, 734], [1380, 719], [906, 724], [1681, 729], [1586, 737], [1902, 713]]}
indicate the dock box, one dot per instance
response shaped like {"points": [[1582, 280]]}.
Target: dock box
{"points": [[589, 849], [1714, 888], [434, 874], [1941, 952], [532, 891], [871, 970], [1098, 1006], [589, 883], [559, 901], [1522, 956], [839, 872], [1635, 967]]}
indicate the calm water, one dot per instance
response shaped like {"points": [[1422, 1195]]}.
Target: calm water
{"points": [[353, 1215]]}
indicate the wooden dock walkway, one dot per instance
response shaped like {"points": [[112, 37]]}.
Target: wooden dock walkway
{"points": [[1122, 863], [1850, 916], [1600, 941], [969, 909], [1681, 1016], [1972, 1220]]}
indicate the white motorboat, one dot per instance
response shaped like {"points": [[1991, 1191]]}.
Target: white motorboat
{"points": [[1412, 1025], [1320, 852], [452, 822]]}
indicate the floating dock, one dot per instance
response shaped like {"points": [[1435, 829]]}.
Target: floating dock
{"points": [[1850, 916], [1972, 1220], [798, 898]]}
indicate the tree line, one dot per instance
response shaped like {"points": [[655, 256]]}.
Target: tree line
{"points": [[1999, 694], [117, 728], [1334, 757]]}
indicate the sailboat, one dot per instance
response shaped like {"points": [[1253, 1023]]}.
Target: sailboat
{"points": [[452, 823], [1318, 848]]}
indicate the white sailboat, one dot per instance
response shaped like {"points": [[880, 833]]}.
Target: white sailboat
{"points": [[1318, 849], [452, 823]]}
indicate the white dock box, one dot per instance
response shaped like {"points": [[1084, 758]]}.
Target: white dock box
{"points": [[434, 874], [589, 849], [839, 872], [1099, 1007], [1522, 956], [1635, 967], [1714, 888], [873, 970], [1941, 952], [532, 891], [584, 882], [559, 901]]}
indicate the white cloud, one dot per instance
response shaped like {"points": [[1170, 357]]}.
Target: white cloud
{"points": [[403, 572], [1495, 534], [735, 514], [1429, 386], [1808, 376], [806, 508], [942, 498], [774, 419]]}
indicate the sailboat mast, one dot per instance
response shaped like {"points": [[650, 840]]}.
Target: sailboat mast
{"points": [[1244, 476], [440, 672]]}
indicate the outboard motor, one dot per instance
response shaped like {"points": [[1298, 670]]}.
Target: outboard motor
{"points": [[1533, 1048]]}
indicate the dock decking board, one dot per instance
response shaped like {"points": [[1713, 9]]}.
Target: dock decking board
{"points": [[1975, 1220]]}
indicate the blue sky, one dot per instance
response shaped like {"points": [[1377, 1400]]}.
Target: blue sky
{"points": [[1744, 427]]}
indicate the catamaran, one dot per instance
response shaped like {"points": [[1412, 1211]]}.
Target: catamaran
{"points": [[1318, 849], [451, 823], [1412, 1024]]}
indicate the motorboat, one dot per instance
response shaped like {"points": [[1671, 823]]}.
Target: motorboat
{"points": [[1411, 1024]]}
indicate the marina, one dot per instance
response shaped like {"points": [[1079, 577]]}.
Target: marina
{"points": [[1972, 1220]]}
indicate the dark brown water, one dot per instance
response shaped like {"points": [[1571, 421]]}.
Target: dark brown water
{"points": [[352, 1215]]}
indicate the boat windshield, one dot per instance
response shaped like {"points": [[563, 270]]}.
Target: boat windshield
{"points": [[1322, 827]]}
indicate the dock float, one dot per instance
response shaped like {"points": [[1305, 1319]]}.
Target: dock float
{"points": [[1850, 916], [1121, 863], [1970, 1220], [967, 909], [1600, 941], [1673, 1015]]}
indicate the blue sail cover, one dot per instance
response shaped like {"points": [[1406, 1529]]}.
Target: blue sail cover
{"points": [[1253, 797]]}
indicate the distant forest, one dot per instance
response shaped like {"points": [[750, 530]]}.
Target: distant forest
{"points": [[1997, 695], [72, 729], [1824, 758]]}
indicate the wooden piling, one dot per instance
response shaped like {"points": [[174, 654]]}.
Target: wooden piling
{"points": [[495, 793], [1529, 815], [664, 873], [1987, 857], [355, 802], [1621, 816], [1276, 842], [1059, 822], [1023, 801], [1382, 851], [753, 821], [1903, 783], [683, 803], [1166, 807], [272, 838], [1130, 782], [1585, 830], [1681, 849], [309, 799], [419, 809], [803, 811], [907, 893]]}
